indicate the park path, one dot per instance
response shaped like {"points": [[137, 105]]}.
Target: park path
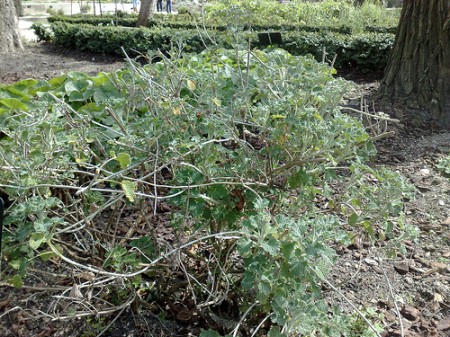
{"points": [[37, 12]]}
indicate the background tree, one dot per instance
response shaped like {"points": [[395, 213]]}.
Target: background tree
{"points": [[19, 8], [9, 27], [144, 12], [418, 72], [358, 2]]}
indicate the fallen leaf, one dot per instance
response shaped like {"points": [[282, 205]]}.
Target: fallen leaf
{"points": [[239, 199], [89, 294], [87, 275], [370, 262], [425, 172], [438, 298], [402, 268], [439, 265], [75, 292], [184, 315], [444, 324], [422, 188], [5, 302], [410, 313]]}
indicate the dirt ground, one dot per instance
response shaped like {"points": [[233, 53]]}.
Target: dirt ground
{"points": [[44, 61], [414, 288]]}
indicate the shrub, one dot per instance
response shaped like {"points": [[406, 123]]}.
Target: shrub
{"points": [[85, 9], [53, 12], [183, 10], [325, 13], [250, 152], [43, 33], [443, 166], [365, 51], [189, 22]]}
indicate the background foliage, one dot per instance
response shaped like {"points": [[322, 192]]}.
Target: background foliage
{"points": [[366, 52], [361, 37]]}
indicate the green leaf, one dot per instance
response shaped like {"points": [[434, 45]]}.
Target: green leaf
{"points": [[319, 273], [129, 188], [16, 281], [390, 229], [275, 332], [106, 92], [36, 240], [124, 159], [367, 225], [356, 202], [19, 94], [245, 246], [14, 104], [210, 333], [47, 255], [75, 89], [278, 116], [287, 250], [298, 179], [75, 96], [261, 204], [24, 85], [191, 85], [271, 246], [353, 219], [146, 246], [15, 264]]}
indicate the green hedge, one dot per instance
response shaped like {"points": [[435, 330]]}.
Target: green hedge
{"points": [[96, 20], [111, 39], [187, 22], [367, 51], [381, 29]]}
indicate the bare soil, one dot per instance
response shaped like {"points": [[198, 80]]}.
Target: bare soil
{"points": [[45, 61], [413, 289]]}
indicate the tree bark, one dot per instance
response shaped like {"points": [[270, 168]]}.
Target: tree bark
{"points": [[9, 28], [19, 9], [144, 12], [418, 72], [358, 2]]}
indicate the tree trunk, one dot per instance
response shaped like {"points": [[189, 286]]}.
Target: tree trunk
{"points": [[358, 2], [144, 12], [9, 28], [418, 72], [19, 9]]}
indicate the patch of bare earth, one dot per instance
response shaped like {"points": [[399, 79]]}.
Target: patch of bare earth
{"points": [[412, 292], [414, 287], [45, 61]]}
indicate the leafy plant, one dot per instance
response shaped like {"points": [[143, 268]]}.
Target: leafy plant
{"points": [[248, 150], [43, 33], [443, 165], [54, 12], [85, 9]]}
